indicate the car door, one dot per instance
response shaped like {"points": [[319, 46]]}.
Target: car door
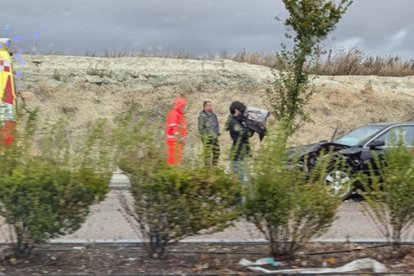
{"points": [[398, 134], [388, 140]]}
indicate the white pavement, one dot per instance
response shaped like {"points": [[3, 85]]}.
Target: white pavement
{"points": [[108, 223]]}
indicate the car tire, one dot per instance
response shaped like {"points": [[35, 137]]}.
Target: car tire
{"points": [[339, 182]]}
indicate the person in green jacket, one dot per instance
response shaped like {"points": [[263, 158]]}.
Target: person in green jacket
{"points": [[208, 127]]}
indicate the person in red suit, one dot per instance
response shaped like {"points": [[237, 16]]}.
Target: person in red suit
{"points": [[176, 132], [7, 111]]}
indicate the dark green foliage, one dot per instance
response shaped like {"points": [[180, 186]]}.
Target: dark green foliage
{"points": [[313, 20], [174, 203], [285, 204], [389, 193], [42, 201], [46, 192], [171, 203]]}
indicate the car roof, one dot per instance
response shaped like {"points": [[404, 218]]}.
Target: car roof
{"points": [[387, 124]]}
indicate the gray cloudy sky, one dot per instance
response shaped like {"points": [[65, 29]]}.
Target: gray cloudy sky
{"points": [[378, 27]]}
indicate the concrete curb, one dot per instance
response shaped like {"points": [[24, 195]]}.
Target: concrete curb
{"points": [[224, 241]]}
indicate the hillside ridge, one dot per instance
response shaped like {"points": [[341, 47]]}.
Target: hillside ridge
{"points": [[87, 88]]}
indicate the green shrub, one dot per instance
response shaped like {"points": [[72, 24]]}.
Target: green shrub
{"points": [[389, 193], [171, 203], [46, 188], [286, 205], [174, 203]]}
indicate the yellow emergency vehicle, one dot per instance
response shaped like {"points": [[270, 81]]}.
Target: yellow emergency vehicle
{"points": [[7, 94]]}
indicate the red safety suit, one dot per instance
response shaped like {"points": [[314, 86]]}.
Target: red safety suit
{"points": [[176, 132]]}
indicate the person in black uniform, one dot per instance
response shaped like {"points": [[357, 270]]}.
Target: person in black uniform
{"points": [[240, 134]]}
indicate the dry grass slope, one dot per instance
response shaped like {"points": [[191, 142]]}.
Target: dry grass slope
{"points": [[326, 62], [83, 89]]}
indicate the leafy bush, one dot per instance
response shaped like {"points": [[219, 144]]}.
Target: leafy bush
{"points": [[389, 192], [174, 203], [286, 205], [171, 203], [46, 188]]}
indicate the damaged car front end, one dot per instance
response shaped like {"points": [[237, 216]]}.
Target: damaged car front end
{"points": [[351, 154]]}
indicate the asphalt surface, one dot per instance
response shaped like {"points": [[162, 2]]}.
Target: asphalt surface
{"points": [[108, 223]]}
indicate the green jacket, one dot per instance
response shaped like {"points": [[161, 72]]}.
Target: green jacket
{"points": [[208, 125]]}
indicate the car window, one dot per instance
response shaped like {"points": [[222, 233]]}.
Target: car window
{"points": [[395, 135], [359, 135]]}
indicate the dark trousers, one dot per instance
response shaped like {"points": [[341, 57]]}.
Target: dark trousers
{"points": [[211, 151]]}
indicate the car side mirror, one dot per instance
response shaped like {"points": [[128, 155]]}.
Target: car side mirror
{"points": [[377, 143]]}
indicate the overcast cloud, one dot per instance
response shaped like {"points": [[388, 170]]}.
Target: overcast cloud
{"points": [[378, 27]]}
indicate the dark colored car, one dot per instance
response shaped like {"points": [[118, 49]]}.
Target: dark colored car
{"points": [[355, 151]]}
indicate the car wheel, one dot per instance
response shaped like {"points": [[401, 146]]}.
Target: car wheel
{"points": [[338, 183]]}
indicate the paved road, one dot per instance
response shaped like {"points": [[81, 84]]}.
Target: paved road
{"points": [[108, 223]]}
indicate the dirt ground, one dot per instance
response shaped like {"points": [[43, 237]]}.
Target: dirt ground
{"points": [[197, 258]]}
